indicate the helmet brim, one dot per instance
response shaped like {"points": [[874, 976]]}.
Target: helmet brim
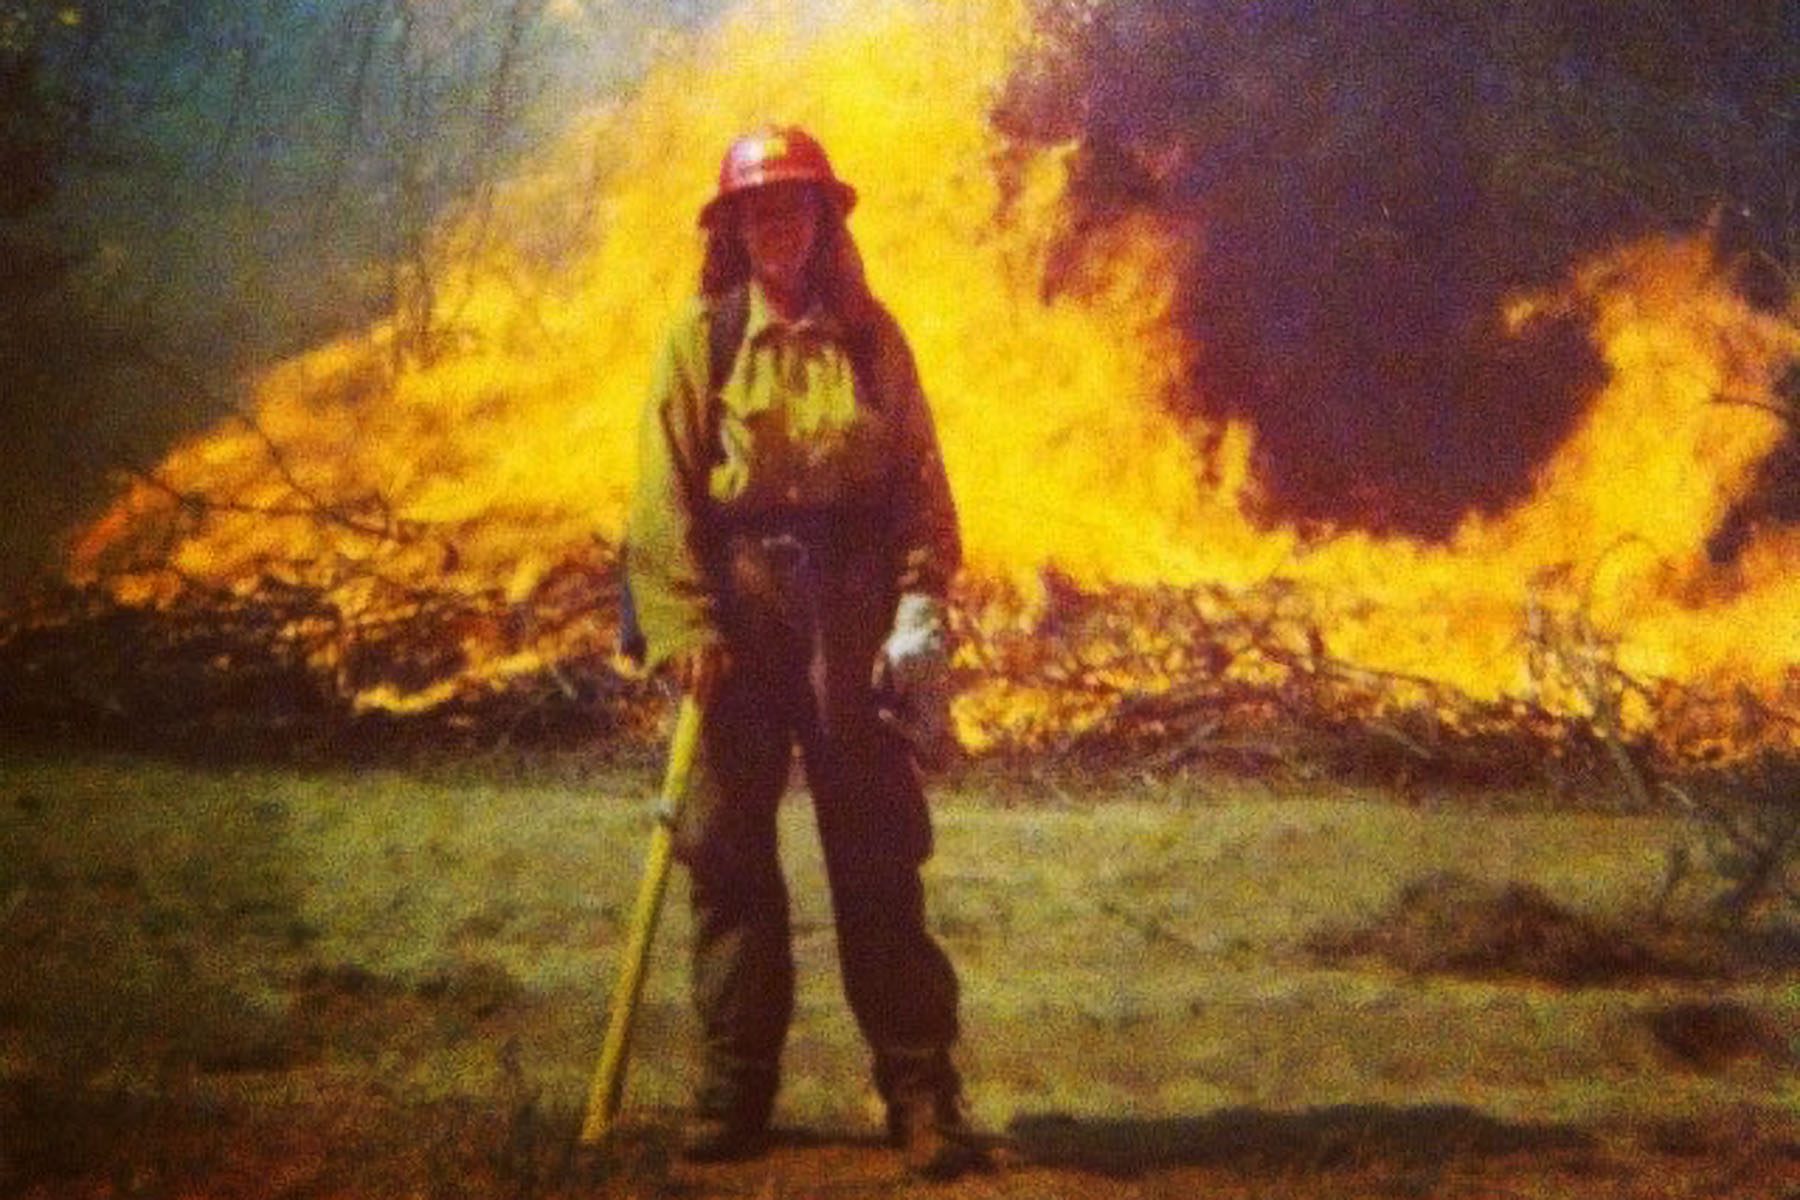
{"points": [[838, 194]]}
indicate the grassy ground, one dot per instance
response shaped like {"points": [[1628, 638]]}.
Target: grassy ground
{"points": [[263, 982]]}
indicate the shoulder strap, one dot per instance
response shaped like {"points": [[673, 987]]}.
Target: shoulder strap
{"points": [[730, 316], [860, 347], [726, 320]]}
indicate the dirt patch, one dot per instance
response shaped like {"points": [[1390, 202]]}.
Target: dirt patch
{"points": [[477, 990], [1261, 1143], [350, 1010], [364, 1142], [1446, 923], [1710, 1036]]}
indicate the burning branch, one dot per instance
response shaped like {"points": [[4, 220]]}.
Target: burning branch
{"points": [[312, 506], [198, 505], [1568, 657], [1158, 678], [1165, 677]]}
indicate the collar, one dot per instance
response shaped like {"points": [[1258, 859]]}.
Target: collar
{"points": [[762, 319]]}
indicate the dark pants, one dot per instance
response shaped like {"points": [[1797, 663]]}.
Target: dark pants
{"points": [[803, 629]]}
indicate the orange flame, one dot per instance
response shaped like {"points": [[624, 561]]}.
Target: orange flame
{"points": [[511, 449]]}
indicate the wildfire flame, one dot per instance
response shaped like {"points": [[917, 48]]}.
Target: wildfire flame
{"points": [[509, 448]]}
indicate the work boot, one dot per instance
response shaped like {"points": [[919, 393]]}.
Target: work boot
{"points": [[722, 1137], [934, 1140], [730, 1117]]}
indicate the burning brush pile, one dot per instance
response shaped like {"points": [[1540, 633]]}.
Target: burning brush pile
{"points": [[1530, 536], [1152, 677]]}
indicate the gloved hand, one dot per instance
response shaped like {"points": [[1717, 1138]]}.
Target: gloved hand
{"points": [[912, 678], [918, 647]]}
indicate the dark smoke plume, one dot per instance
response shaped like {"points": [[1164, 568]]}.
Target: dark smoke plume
{"points": [[1364, 183]]}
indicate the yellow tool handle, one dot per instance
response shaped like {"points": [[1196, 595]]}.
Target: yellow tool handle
{"points": [[609, 1077]]}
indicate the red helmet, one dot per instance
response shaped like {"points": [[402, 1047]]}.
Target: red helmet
{"points": [[777, 155]]}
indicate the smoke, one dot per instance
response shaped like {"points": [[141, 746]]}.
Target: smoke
{"points": [[1362, 187]]}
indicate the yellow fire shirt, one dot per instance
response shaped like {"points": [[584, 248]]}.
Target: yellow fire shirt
{"points": [[792, 431], [787, 430]]}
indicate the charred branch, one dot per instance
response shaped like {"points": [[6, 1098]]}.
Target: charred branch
{"points": [[1176, 677], [1160, 679]]}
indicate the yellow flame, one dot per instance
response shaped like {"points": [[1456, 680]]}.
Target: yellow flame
{"points": [[1617, 526], [514, 446]]}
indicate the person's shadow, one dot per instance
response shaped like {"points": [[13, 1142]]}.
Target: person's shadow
{"points": [[1255, 1142]]}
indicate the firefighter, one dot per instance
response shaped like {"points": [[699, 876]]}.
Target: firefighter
{"points": [[792, 539]]}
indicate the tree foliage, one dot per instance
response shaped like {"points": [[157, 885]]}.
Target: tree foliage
{"points": [[212, 183]]}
